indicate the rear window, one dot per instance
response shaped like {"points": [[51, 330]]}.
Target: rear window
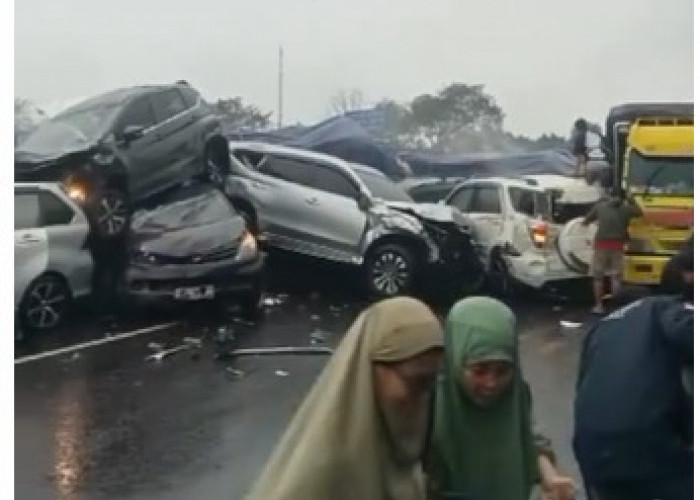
{"points": [[529, 202]]}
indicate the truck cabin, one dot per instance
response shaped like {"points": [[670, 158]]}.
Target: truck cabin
{"points": [[656, 133]]}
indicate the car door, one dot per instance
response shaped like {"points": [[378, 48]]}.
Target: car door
{"points": [[143, 154], [66, 229], [483, 206], [335, 219], [487, 210], [281, 191], [31, 242], [174, 120]]}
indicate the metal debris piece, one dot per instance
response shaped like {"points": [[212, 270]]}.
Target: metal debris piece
{"points": [[556, 308], [282, 373], [74, 357], [193, 341], [281, 350], [570, 324], [155, 346], [274, 301], [241, 321], [224, 333], [235, 372], [160, 355]]}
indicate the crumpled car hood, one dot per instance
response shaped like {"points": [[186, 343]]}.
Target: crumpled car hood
{"points": [[428, 211], [32, 160], [190, 240]]}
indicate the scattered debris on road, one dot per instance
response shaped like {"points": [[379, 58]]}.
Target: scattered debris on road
{"points": [[262, 351], [282, 373], [156, 347], [570, 324], [160, 355]]}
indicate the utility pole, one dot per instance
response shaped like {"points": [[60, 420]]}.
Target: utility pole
{"points": [[280, 96]]}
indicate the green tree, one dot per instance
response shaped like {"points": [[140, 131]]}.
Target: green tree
{"points": [[235, 115], [463, 109]]}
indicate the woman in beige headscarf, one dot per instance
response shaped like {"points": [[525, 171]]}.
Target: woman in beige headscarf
{"points": [[361, 431]]}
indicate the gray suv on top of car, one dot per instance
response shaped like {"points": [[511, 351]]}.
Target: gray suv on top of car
{"points": [[118, 148], [324, 207]]}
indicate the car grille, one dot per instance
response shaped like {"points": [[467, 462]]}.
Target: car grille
{"points": [[205, 258]]}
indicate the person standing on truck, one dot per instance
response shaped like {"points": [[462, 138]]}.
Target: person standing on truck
{"points": [[580, 151], [613, 216]]}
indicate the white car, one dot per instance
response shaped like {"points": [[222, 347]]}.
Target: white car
{"points": [[517, 223], [52, 262]]}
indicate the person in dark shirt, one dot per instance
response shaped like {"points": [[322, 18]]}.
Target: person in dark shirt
{"points": [[579, 150], [678, 272], [613, 216], [632, 418]]}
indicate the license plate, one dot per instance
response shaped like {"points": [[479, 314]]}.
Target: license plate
{"points": [[202, 292]]}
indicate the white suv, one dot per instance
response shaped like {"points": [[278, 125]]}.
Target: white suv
{"points": [[514, 229]]}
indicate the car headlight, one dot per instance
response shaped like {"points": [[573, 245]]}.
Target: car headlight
{"points": [[75, 189], [247, 248], [141, 257]]}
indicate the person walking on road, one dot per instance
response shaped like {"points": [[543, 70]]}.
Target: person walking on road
{"points": [[362, 430], [632, 417], [613, 216], [483, 445]]}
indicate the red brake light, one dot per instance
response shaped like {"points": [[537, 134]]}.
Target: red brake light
{"points": [[538, 233]]}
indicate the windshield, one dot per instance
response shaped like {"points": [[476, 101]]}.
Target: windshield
{"points": [[665, 175], [70, 130], [383, 188]]}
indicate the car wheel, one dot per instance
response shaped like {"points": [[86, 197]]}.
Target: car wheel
{"points": [[215, 167], [45, 303], [390, 271], [110, 213], [501, 280]]}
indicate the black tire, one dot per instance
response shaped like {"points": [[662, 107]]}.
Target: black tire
{"points": [[45, 303], [501, 281], [215, 168], [109, 213], [390, 270], [251, 305], [473, 282]]}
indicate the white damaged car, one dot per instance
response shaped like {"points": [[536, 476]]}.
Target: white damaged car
{"points": [[523, 226]]}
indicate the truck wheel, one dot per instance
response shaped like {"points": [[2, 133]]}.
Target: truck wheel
{"points": [[390, 271]]}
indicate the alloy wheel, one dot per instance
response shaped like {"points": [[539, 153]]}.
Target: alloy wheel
{"points": [[112, 214], [45, 304], [390, 273]]}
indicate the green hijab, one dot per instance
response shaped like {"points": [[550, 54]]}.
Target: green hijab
{"points": [[482, 453]]}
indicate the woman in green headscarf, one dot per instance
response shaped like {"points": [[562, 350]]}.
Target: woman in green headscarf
{"points": [[483, 444]]}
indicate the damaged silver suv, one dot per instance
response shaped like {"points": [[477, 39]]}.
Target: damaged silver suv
{"points": [[324, 207]]}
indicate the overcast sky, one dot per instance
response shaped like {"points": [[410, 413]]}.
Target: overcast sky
{"points": [[545, 61]]}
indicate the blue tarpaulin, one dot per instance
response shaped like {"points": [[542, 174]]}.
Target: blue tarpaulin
{"points": [[345, 138]]}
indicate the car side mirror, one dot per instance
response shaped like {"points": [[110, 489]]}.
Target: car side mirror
{"points": [[131, 133], [364, 202]]}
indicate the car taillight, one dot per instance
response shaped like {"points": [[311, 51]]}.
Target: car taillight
{"points": [[538, 233]]}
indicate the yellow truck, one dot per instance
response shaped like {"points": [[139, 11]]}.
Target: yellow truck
{"points": [[650, 148]]}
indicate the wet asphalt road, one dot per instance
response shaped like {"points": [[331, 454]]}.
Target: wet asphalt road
{"points": [[108, 424]]}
